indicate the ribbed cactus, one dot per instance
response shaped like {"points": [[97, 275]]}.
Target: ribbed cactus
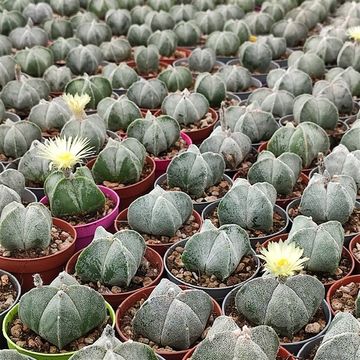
{"points": [[64, 311], [294, 32], [7, 196], [57, 77], [236, 78], [306, 140], [209, 21], [160, 212], [173, 317], [116, 50], [212, 87], [349, 75], [351, 137], [10, 20], [61, 47], [282, 172], [138, 34], [329, 198], [276, 44], [147, 59], [326, 47], [176, 78], [65, 7], [58, 27], [119, 21], [224, 43], [159, 20], [308, 62], [182, 12], [188, 33], [13, 179], [255, 56], [24, 228], [111, 259], [239, 28], [216, 251], [84, 59], [120, 161], [194, 172], [259, 22], [349, 55], [165, 41], [93, 32], [121, 77], [157, 134], [202, 60], [226, 340], [13, 355], [28, 36], [7, 70]]}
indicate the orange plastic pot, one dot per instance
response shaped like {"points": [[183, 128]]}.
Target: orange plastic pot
{"points": [[47, 266], [144, 294], [355, 240]]}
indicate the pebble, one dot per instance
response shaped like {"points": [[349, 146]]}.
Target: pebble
{"points": [[313, 328]]}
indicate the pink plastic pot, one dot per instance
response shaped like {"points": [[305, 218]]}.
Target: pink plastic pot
{"points": [[85, 233]]}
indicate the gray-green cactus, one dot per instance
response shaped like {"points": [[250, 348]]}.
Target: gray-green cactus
{"points": [[116, 50], [173, 317], [194, 172], [93, 33], [14, 180], [182, 12], [202, 60], [111, 259], [306, 140], [255, 56], [349, 75], [138, 34], [282, 172], [119, 21], [285, 305], [209, 21], [224, 43], [227, 341], [7, 70], [121, 76], [276, 10], [57, 77], [13, 355], [294, 32], [61, 47], [351, 138], [260, 23], [147, 59], [349, 55], [120, 161], [176, 78], [188, 33], [10, 20], [239, 28], [159, 20], [28, 36], [65, 7], [65, 310], [59, 28], [308, 62], [216, 251], [160, 212], [82, 17], [84, 59], [24, 228], [212, 87], [276, 44], [7, 196], [165, 41], [157, 134], [304, 16], [236, 78]]}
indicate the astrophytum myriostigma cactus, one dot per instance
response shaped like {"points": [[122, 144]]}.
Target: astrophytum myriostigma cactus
{"points": [[216, 251], [165, 41], [24, 228], [349, 55], [349, 75], [57, 77], [13, 355], [194, 172], [120, 161], [249, 206], [322, 244], [255, 56], [236, 78], [160, 212], [147, 59], [64, 311], [224, 43], [111, 259], [326, 47], [212, 87], [351, 138], [121, 76], [173, 317], [227, 341], [202, 60], [309, 62], [188, 33], [282, 172]]}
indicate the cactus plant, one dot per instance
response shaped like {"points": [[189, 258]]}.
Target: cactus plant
{"points": [[10, 20], [239, 28], [349, 55], [14, 180], [159, 20], [308, 62], [38, 13], [212, 87], [116, 50], [294, 32], [8, 196], [57, 28], [178, 317], [349, 75], [93, 33], [209, 21], [165, 41], [121, 76], [224, 43], [119, 21], [351, 137], [160, 212], [84, 59], [82, 17], [13, 355], [255, 56], [61, 47], [28, 36], [188, 33], [236, 78], [138, 34], [157, 134], [65, 7], [230, 11], [260, 23], [202, 60], [101, 7], [304, 16], [176, 78], [147, 59], [57, 78], [276, 10], [182, 12], [276, 44], [7, 70]]}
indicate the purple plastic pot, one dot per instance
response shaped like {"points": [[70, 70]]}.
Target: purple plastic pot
{"points": [[85, 233]]}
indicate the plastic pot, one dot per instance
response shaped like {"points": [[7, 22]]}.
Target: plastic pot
{"points": [[185, 62], [352, 117], [283, 63], [28, 196], [39, 356], [355, 240], [116, 299], [199, 207], [305, 351], [47, 266], [170, 60], [144, 294], [12, 116], [159, 248], [162, 66], [245, 94], [85, 233], [293, 347]]}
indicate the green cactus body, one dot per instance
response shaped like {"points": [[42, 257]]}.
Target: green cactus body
{"points": [[204, 5], [121, 77], [255, 56], [28, 36], [236, 78], [202, 60], [10, 20], [101, 7], [64, 311], [230, 11], [7, 70], [276, 44], [249, 206], [18, 5], [147, 59], [239, 28], [178, 317], [304, 16], [65, 7], [59, 28], [93, 33], [13, 355], [160, 212], [111, 259], [75, 195], [349, 75], [188, 33], [119, 21], [326, 47], [165, 41], [5, 45], [306, 140], [182, 12], [276, 10], [2, 112], [212, 87], [61, 47], [13, 180], [309, 62], [209, 21], [260, 23], [349, 55], [84, 59], [281, 172], [159, 20], [116, 50], [224, 43], [57, 77], [286, 305], [7, 196], [24, 228], [351, 138], [176, 78], [294, 32], [318, 110], [82, 17], [138, 34]]}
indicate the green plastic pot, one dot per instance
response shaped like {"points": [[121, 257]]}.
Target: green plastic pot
{"points": [[39, 356]]}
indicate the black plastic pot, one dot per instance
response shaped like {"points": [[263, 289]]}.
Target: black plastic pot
{"points": [[11, 116], [254, 83], [308, 347], [351, 118]]}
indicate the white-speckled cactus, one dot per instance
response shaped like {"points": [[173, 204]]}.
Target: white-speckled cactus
{"points": [[116, 50], [224, 43], [111, 259], [351, 138], [239, 28], [349, 55], [165, 41], [216, 251], [282, 172], [173, 317], [249, 206], [176, 78], [7, 196], [349, 75], [147, 59], [236, 78], [322, 244], [64, 311], [187, 32], [294, 32], [157, 134], [326, 47], [212, 87], [329, 198], [121, 77], [84, 59], [276, 44], [24, 228], [202, 60], [14, 180], [13, 355], [160, 212], [227, 341], [255, 56], [309, 62], [194, 172], [57, 77]]}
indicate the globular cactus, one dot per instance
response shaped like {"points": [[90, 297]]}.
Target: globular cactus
{"points": [[160, 212], [24, 228], [93, 33], [176, 78], [294, 32], [61, 47], [120, 161], [147, 59], [276, 10], [121, 77], [65, 310], [349, 75], [349, 55], [351, 138], [202, 60], [216, 251], [303, 15], [227, 341], [224, 43], [100, 8], [209, 21], [260, 23], [282, 172], [10, 20], [57, 77], [116, 50], [157, 134], [194, 172], [13, 179], [187, 108], [159, 20], [308, 62], [111, 259], [255, 56], [173, 317], [84, 59], [165, 41], [65, 7], [7, 70], [28, 36], [306, 140], [59, 28], [119, 21], [182, 12], [7, 196], [138, 35], [239, 28], [212, 87], [329, 198], [188, 33], [82, 17], [236, 78], [276, 44], [249, 206], [13, 355], [230, 11]]}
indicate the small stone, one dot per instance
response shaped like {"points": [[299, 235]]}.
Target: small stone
{"points": [[313, 328]]}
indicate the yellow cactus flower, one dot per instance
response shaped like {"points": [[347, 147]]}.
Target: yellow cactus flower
{"points": [[252, 38], [354, 33], [282, 258], [77, 103]]}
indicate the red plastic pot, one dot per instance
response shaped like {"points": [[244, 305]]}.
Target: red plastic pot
{"points": [[171, 59], [355, 240], [159, 248], [116, 299], [47, 266], [129, 193], [162, 65], [144, 294], [85, 233]]}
